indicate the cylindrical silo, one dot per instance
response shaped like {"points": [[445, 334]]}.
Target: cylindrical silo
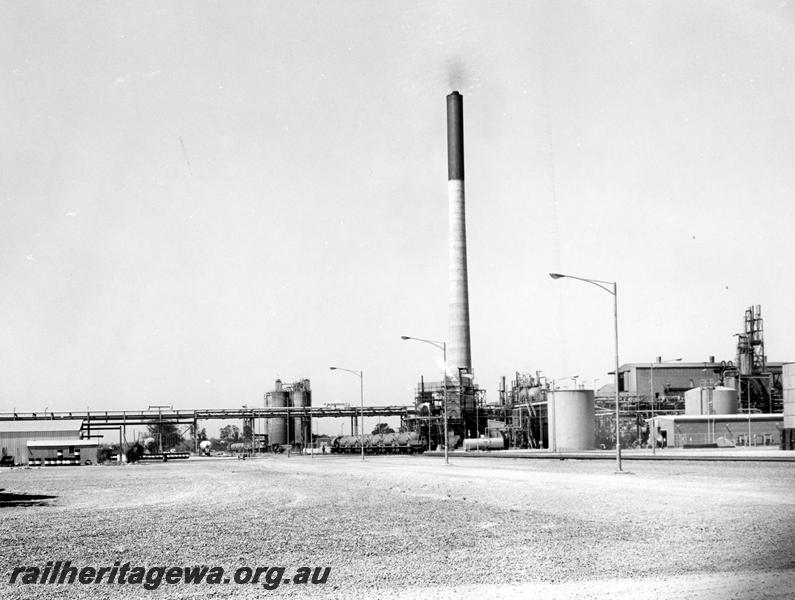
{"points": [[307, 403], [724, 401], [711, 401], [571, 420], [299, 401], [277, 426]]}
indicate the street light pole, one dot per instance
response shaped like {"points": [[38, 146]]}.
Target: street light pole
{"points": [[360, 375], [444, 382], [618, 410], [653, 434], [653, 428], [748, 395], [614, 291], [443, 347]]}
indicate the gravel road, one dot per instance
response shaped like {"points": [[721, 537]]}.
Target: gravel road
{"points": [[411, 527]]}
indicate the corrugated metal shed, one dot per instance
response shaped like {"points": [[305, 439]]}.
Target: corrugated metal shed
{"points": [[73, 451], [14, 435], [761, 429]]}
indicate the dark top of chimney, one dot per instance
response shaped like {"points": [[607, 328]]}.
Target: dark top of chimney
{"points": [[455, 137]]}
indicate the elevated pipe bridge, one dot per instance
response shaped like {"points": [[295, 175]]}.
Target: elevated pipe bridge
{"points": [[187, 416]]}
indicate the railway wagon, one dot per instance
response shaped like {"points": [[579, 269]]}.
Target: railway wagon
{"points": [[409, 442]]}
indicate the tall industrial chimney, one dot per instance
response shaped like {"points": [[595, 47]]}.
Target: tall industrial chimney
{"points": [[459, 354]]}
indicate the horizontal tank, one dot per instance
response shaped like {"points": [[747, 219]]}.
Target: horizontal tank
{"points": [[349, 441], [484, 443], [571, 420]]}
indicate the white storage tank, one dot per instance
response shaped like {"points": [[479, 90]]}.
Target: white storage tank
{"points": [[724, 401], [694, 401], [788, 383], [711, 401], [571, 420]]}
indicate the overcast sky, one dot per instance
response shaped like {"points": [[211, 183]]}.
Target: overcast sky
{"points": [[198, 198]]}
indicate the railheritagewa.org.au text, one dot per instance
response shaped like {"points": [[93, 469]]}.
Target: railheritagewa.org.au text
{"points": [[152, 577]]}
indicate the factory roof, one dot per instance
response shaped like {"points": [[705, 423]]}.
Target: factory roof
{"points": [[670, 365], [34, 426], [63, 442], [687, 365], [733, 417]]}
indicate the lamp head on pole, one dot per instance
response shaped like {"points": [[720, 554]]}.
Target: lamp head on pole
{"points": [[404, 337], [556, 275], [332, 368]]}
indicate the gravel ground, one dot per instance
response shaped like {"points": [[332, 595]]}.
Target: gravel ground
{"points": [[411, 527]]}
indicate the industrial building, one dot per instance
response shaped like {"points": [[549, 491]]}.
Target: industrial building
{"points": [[744, 401], [532, 415], [664, 379], [466, 414], [34, 442], [74, 452], [450, 407], [667, 382], [718, 430], [677, 403], [650, 400]]}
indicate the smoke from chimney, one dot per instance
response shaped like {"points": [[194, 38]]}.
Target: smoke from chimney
{"points": [[456, 73]]}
